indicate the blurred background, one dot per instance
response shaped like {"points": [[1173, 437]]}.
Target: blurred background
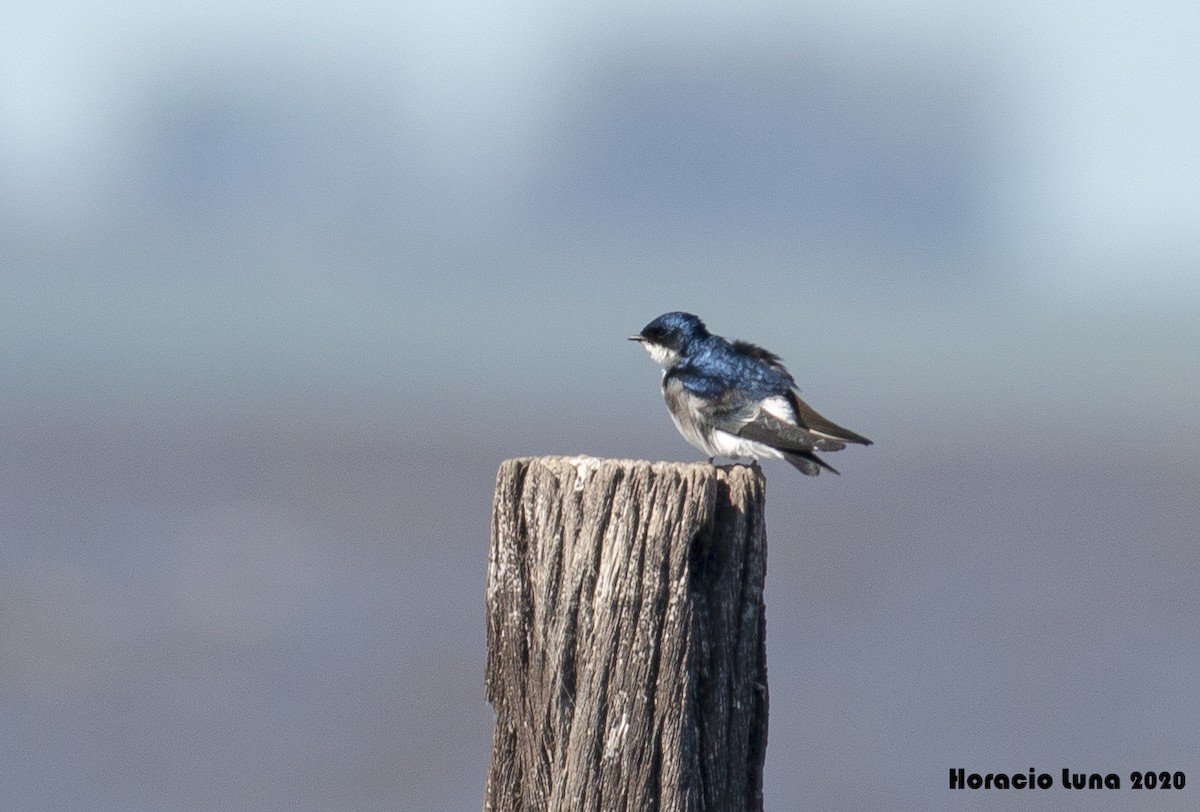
{"points": [[283, 284]]}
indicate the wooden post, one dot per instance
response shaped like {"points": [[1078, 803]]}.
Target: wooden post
{"points": [[626, 654]]}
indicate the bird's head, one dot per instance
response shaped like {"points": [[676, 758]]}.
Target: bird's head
{"points": [[670, 335]]}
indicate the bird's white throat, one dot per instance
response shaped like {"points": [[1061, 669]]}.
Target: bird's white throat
{"points": [[660, 354]]}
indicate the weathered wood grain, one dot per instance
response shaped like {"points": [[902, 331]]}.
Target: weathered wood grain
{"points": [[626, 653]]}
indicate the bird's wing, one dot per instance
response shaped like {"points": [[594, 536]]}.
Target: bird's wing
{"points": [[807, 417], [771, 421], [786, 405], [754, 422]]}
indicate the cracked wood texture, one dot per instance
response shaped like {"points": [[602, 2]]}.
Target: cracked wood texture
{"points": [[626, 653]]}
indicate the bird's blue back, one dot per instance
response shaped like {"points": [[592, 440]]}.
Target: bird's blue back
{"points": [[711, 365]]}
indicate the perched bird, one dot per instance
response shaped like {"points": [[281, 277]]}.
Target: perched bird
{"points": [[735, 399]]}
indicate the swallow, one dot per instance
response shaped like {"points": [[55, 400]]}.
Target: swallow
{"points": [[736, 399]]}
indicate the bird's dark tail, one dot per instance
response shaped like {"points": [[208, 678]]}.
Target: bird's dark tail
{"points": [[807, 462]]}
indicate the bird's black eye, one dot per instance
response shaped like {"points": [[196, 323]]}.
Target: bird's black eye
{"points": [[654, 333]]}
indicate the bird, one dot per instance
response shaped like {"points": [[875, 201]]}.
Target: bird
{"points": [[736, 399]]}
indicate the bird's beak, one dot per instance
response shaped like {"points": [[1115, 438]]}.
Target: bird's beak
{"points": [[636, 338]]}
